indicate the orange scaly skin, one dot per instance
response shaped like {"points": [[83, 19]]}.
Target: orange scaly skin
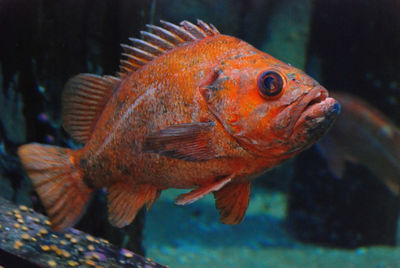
{"points": [[193, 117], [172, 80]]}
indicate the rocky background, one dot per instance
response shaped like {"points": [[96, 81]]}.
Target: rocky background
{"points": [[350, 46]]}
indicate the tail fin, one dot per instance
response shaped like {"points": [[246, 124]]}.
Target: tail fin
{"points": [[58, 182]]}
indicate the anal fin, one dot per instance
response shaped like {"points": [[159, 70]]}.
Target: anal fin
{"points": [[201, 191], [232, 202], [125, 200]]}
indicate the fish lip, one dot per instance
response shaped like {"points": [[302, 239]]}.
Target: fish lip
{"points": [[316, 96], [317, 104], [288, 118]]}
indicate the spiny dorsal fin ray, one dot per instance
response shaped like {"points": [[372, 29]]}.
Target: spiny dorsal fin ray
{"points": [[197, 32], [178, 30], [167, 35], [156, 40], [209, 29], [160, 40], [138, 52], [139, 43], [84, 98]]}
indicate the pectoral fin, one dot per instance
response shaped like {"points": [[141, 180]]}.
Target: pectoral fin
{"points": [[196, 194], [190, 142], [232, 202]]}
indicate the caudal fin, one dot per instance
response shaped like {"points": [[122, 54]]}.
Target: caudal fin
{"points": [[58, 182]]}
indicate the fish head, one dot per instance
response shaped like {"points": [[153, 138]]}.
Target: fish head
{"points": [[271, 108]]}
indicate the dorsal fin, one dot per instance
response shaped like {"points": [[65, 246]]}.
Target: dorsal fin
{"points": [[160, 40], [83, 100]]}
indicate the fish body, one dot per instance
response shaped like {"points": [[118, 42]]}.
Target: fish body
{"points": [[190, 108], [363, 135]]}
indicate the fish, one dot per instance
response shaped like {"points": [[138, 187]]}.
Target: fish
{"points": [[189, 108], [363, 135]]}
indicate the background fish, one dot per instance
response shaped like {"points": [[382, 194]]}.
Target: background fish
{"points": [[363, 135], [189, 108]]}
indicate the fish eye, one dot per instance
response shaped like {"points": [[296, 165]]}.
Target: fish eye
{"points": [[270, 84]]}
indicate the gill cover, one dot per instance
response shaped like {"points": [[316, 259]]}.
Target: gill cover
{"points": [[232, 95]]}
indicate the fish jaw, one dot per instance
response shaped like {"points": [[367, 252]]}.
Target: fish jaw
{"points": [[301, 123], [321, 108], [316, 118], [285, 122]]}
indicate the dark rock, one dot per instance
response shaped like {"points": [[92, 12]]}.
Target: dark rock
{"points": [[27, 241]]}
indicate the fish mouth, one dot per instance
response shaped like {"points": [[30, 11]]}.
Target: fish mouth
{"points": [[317, 107], [318, 97], [313, 105]]}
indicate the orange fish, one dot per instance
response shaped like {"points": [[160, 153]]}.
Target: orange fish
{"points": [[189, 108], [363, 135]]}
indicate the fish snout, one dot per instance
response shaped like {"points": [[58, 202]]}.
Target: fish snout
{"points": [[300, 110], [316, 113], [318, 106], [316, 118]]}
